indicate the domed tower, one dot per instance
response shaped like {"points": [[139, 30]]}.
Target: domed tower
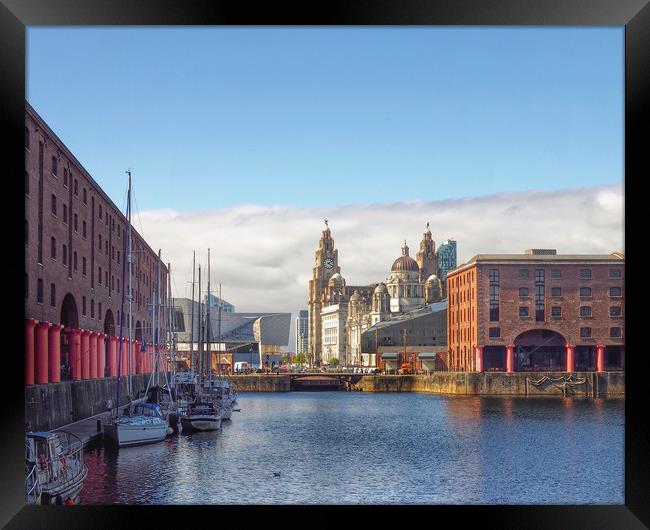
{"points": [[426, 257], [433, 291], [404, 287], [380, 304], [336, 288], [326, 265]]}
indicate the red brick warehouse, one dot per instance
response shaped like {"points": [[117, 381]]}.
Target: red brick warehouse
{"points": [[74, 252], [537, 311]]}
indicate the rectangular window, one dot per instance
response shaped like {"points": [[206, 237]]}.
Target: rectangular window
{"points": [[54, 165], [76, 188], [556, 311], [65, 214], [523, 311], [52, 295], [585, 274], [585, 311], [556, 292], [523, 292], [614, 291], [585, 333], [493, 275], [83, 266], [65, 255], [585, 292], [539, 276], [75, 223], [524, 273], [99, 242], [83, 229], [85, 196], [614, 273], [556, 273], [54, 204], [75, 260], [100, 212], [615, 332], [53, 248], [92, 308], [39, 291], [106, 274], [65, 177], [495, 332], [99, 279], [83, 306], [615, 311]]}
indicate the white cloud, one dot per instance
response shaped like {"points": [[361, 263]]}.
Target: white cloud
{"points": [[263, 255]]}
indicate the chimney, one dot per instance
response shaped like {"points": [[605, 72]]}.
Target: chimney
{"points": [[540, 252]]}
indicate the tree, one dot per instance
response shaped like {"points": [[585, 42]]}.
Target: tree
{"points": [[333, 361], [300, 358], [285, 358]]}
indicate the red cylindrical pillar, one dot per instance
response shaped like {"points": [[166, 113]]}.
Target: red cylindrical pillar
{"points": [[600, 357], [30, 323], [41, 353], [138, 358], [510, 358], [124, 369], [54, 347], [85, 354], [570, 358], [101, 355], [112, 356], [134, 357], [74, 353], [92, 360], [479, 358]]}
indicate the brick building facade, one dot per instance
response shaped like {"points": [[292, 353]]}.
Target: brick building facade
{"points": [[537, 311], [75, 241]]}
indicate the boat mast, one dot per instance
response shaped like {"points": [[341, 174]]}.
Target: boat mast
{"points": [[130, 295], [159, 300], [192, 322], [121, 319], [200, 329], [219, 332], [208, 354], [170, 327]]}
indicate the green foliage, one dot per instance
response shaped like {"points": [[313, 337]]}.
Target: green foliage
{"points": [[333, 361], [301, 358]]}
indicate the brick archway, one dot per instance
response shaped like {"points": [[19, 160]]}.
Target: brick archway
{"points": [[540, 350], [69, 312], [109, 323]]}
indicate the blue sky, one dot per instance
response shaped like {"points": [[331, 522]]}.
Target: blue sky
{"points": [[311, 117]]}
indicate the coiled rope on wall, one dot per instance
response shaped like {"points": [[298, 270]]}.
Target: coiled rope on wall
{"points": [[565, 383]]}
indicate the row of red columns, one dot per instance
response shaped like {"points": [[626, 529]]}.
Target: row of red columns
{"points": [[570, 358], [88, 353]]}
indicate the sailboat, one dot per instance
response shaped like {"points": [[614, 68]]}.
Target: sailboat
{"points": [[141, 422], [203, 413]]}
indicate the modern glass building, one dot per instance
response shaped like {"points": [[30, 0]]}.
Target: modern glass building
{"points": [[226, 307], [446, 258], [302, 338]]}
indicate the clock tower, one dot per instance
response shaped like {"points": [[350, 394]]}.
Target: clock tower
{"points": [[327, 264]]}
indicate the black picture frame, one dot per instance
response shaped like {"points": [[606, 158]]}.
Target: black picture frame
{"points": [[15, 15]]}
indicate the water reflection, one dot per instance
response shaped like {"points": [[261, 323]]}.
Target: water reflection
{"points": [[339, 447]]}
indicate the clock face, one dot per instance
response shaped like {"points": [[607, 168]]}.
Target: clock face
{"points": [[329, 263]]}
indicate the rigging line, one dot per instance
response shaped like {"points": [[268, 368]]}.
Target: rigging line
{"points": [[137, 210]]}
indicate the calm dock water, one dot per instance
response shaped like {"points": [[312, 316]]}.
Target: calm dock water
{"points": [[347, 448]]}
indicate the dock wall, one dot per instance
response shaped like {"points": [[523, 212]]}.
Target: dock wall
{"points": [[603, 384], [54, 405]]}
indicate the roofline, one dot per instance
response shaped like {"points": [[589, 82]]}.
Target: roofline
{"points": [[50, 133], [615, 258]]}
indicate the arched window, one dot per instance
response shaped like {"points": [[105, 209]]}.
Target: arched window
{"points": [[83, 306]]}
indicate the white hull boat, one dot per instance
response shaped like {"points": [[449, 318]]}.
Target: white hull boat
{"points": [[146, 425], [202, 422]]}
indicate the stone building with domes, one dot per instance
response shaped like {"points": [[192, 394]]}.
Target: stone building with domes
{"points": [[340, 313]]}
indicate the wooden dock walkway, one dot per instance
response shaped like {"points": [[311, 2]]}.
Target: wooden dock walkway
{"points": [[86, 429]]}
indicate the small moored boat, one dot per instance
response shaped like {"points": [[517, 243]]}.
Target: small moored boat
{"points": [[55, 467]]}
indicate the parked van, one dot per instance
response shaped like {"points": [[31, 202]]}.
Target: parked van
{"points": [[242, 367]]}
